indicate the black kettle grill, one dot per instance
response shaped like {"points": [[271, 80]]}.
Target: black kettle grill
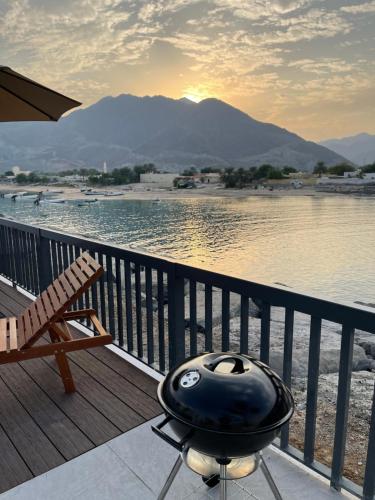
{"points": [[224, 409]]}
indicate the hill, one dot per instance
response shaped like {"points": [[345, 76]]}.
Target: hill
{"points": [[173, 134], [359, 149]]}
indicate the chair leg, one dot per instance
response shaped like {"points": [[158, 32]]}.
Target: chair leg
{"points": [[66, 374]]}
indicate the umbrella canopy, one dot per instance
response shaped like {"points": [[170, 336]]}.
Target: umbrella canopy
{"points": [[22, 99]]}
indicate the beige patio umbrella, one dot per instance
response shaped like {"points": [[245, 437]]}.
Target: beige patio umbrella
{"points": [[22, 99]]}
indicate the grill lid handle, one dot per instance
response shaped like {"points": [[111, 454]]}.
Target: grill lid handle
{"points": [[229, 363]]}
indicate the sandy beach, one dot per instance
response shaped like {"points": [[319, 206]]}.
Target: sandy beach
{"points": [[145, 192]]}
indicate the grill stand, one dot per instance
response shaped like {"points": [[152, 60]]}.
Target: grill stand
{"points": [[223, 478]]}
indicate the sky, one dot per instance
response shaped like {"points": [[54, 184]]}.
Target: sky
{"points": [[305, 65]]}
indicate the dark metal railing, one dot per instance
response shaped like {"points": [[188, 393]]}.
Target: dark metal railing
{"points": [[150, 307]]}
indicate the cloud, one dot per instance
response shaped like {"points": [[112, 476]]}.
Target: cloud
{"points": [[361, 8]]}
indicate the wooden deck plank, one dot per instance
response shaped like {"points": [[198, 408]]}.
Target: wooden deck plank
{"points": [[128, 393], [83, 414], [120, 414], [126, 370], [32, 444], [13, 469], [66, 437]]}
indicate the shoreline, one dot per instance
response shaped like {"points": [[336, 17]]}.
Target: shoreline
{"points": [[153, 194]]}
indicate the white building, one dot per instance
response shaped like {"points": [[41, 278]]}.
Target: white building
{"points": [[356, 173], [16, 171], [212, 178], [369, 176], [158, 180]]}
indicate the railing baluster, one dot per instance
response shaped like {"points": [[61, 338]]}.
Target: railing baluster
{"points": [[369, 481], [120, 322], [71, 260], [287, 366], [129, 306], [54, 260], [111, 315], [149, 317], [193, 317], [103, 314], [176, 317], [208, 317], [28, 258], [160, 278], [225, 304], [138, 310], [265, 333], [312, 389], [244, 325], [22, 260], [342, 405], [59, 258], [94, 290], [77, 253]]}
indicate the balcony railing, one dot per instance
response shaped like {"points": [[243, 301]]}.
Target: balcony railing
{"points": [[150, 306]]}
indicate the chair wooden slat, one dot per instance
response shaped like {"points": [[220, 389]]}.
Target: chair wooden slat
{"points": [[79, 274], [66, 285], [53, 297], [35, 323], [41, 311], [90, 261], [61, 295], [50, 311], [28, 327], [3, 334], [85, 268], [21, 330], [75, 284], [12, 334]]}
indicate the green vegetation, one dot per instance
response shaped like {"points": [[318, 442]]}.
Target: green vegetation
{"points": [[340, 169], [124, 175], [32, 178], [320, 168], [368, 169], [242, 177]]}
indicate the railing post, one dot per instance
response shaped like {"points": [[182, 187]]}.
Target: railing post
{"points": [[176, 317], [44, 262]]}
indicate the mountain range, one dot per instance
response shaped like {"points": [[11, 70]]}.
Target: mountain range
{"points": [[173, 134], [359, 149]]}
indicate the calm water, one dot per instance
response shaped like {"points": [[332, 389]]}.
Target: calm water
{"points": [[318, 245]]}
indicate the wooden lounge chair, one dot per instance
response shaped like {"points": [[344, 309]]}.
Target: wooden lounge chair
{"points": [[49, 313]]}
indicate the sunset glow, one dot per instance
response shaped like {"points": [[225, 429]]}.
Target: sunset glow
{"points": [[305, 65]]}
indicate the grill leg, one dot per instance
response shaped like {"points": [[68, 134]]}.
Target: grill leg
{"points": [[223, 482], [170, 478], [269, 479]]}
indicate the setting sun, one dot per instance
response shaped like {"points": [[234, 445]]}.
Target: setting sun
{"points": [[194, 97]]}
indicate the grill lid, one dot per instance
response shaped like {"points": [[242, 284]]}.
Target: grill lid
{"points": [[226, 392]]}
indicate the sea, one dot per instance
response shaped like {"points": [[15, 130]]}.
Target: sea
{"points": [[323, 246]]}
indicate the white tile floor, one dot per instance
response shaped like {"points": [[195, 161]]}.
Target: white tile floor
{"points": [[136, 464]]}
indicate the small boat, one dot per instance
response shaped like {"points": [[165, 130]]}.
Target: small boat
{"points": [[54, 201], [28, 197], [158, 200], [90, 201], [114, 193], [95, 193], [52, 192], [15, 195]]}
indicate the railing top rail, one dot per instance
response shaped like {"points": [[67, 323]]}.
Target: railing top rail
{"points": [[358, 316]]}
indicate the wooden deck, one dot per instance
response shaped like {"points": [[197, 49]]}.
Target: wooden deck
{"points": [[41, 427]]}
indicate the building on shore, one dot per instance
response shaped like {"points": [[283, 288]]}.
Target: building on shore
{"points": [[17, 170], [158, 180]]}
